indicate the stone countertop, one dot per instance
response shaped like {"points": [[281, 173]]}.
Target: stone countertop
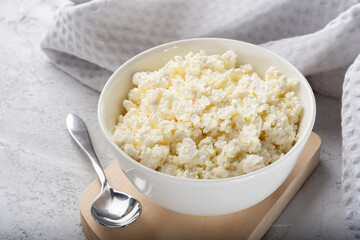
{"points": [[44, 173]]}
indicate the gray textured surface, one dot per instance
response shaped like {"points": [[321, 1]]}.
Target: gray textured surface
{"points": [[38, 157]]}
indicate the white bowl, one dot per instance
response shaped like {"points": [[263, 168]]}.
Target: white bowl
{"points": [[194, 196]]}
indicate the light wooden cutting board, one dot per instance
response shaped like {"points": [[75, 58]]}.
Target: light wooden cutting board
{"points": [[156, 222]]}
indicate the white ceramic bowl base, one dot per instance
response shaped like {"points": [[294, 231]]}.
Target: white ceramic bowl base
{"points": [[192, 196]]}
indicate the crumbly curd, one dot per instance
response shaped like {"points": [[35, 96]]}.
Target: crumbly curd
{"points": [[201, 116]]}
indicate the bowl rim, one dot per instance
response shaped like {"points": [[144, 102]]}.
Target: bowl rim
{"points": [[301, 141]]}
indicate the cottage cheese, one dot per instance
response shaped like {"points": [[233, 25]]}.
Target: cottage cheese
{"points": [[200, 116]]}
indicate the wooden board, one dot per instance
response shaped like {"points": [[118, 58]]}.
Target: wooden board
{"points": [[156, 222]]}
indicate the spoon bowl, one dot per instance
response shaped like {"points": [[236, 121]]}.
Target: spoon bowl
{"points": [[115, 209], [111, 208]]}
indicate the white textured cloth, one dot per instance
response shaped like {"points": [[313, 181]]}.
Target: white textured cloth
{"points": [[350, 114], [89, 40]]}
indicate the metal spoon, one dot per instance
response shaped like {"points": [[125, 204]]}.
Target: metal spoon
{"points": [[110, 208]]}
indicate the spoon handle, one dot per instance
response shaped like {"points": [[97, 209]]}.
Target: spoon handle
{"points": [[78, 131]]}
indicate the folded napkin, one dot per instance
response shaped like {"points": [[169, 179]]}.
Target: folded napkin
{"points": [[90, 39]]}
